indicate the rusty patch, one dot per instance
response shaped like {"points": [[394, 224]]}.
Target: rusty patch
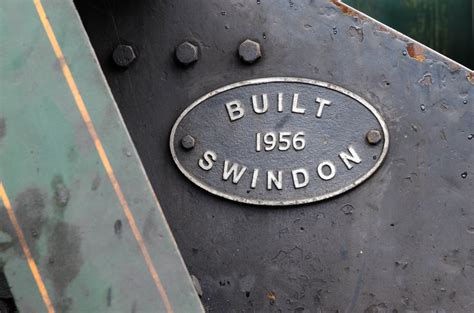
{"points": [[271, 296], [470, 77], [3, 127], [416, 52], [346, 10], [382, 28]]}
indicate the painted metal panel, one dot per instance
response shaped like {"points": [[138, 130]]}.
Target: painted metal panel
{"points": [[80, 228], [400, 242]]}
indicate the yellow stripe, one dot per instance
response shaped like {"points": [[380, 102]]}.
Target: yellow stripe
{"points": [[26, 249], [103, 156]]}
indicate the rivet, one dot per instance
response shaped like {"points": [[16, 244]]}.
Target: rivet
{"points": [[250, 51], [188, 142], [187, 53], [123, 55], [373, 136]]}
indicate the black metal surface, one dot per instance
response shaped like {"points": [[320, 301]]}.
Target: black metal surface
{"points": [[279, 141], [401, 242], [7, 303], [5, 292]]}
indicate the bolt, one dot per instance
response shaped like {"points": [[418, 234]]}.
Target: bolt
{"points": [[123, 55], [374, 136], [188, 142], [250, 51], [187, 53]]}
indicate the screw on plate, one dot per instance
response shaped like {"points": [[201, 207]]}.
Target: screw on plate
{"points": [[250, 51], [123, 55], [374, 136], [188, 142], [187, 53]]}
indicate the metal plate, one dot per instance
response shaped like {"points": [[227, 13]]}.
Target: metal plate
{"points": [[279, 141], [400, 242]]}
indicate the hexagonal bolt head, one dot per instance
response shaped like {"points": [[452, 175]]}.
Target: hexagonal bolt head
{"points": [[123, 55], [250, 51], [188, 142], [374, 136], [187, 53]]}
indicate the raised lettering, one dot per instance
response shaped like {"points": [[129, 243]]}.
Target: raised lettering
{"points": [[322, 103], [280, 102], [207, 160], [353, 157], [294, 107], [256, 108], [234, 171], [332, 170], [301, 172], [254, 179], [274, 180], [235, 110]]}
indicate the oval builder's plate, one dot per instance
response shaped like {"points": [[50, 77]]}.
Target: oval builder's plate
{"points": [[279, 141]]}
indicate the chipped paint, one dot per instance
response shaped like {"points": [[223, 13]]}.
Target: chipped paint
{"points": [[426, 80], [416, 51], [347, 10], [470, 77], [356, 32]]}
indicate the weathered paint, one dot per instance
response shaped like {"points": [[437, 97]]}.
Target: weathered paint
{"points": [[402, 241], [85, 214]]}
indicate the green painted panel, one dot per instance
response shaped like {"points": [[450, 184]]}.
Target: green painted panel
{"points": [[63, 199]]}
